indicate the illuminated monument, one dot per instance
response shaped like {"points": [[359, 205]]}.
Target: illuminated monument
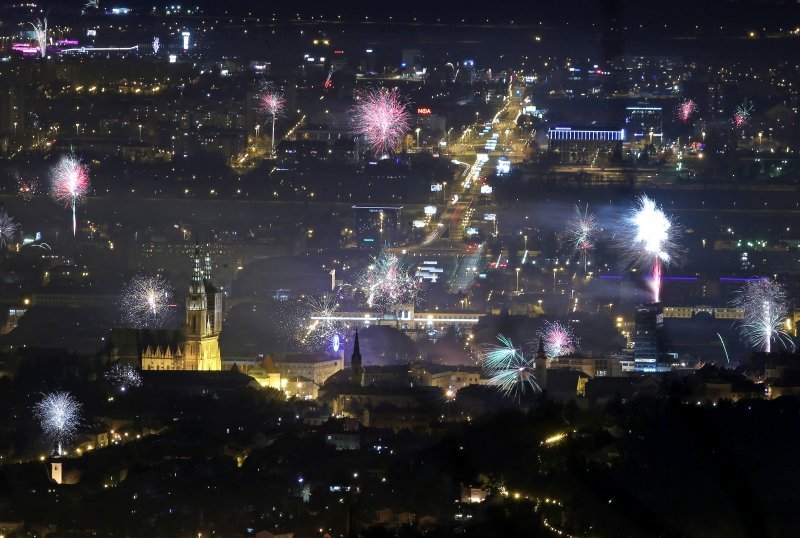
{"points": [[195, 347]]}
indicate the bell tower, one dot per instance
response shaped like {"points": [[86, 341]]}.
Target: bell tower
{"points": [[203, 316]]}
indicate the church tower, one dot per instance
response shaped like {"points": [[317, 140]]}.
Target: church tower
{"points": [[540, 363], [213, 297], [356, 370], [202, 341]]}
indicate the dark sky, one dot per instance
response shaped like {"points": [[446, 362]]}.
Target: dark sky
{"points": [[675, 12]]}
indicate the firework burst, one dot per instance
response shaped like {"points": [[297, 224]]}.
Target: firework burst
{"points": [[387, 283], [686, 109], [321, 331], [123, 376], [741, 116], [499, 357], [59, 416], [765, 310], [582, 230], [508, 369], [146, 301], [40, 35], [70, 184], [382, 118], [27, 189], [90, 4], [8, 227], [648, 240], [272, 104], [156, 45], [559, 340]]}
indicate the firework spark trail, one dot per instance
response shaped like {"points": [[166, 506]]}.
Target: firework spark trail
{"points": [[381, 117], [325, 332], [271, 103], [648, 240], [40, 35], [156, 45], [122, 375], [741, 116], [508, 369], [90, 4], [499, 357], [59, 416], [70, 184], [559, 340], [8, 227], [686, 110], [582, 229], [145, 301], [765, 310]]}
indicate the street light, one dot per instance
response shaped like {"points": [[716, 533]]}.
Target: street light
{"points": [[140, 132], [517, 271], [77, 126]]}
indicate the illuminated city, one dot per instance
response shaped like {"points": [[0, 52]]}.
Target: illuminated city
{"points": [[361, 270]]}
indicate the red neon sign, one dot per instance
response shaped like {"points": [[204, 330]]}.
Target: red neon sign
{"points": [[424, 110]]}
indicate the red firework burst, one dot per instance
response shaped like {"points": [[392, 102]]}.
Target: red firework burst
{"points": [[686, 109], [381, 117]]}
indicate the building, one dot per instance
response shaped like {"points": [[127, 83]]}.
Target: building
{"points": [[408, 319], [591, 366], [194, 347], [643, 124], [376, 227], [688, 312], [312, 366], [647, 338], [581, 145]]}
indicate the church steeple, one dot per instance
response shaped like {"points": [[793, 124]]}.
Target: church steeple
{"points": [[540, 362], [356, 369]]}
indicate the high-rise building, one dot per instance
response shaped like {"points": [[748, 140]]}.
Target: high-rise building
{"points": [[648, 353], [643, 124], [376, 227]]}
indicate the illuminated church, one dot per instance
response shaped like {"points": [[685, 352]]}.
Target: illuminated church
{"points": [[195, 347]]}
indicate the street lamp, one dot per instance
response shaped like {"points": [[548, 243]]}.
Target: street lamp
{"points": [[517, 271], [77, 126], [140, 132]]}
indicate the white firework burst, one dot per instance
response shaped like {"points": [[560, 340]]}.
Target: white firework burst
{"points": [[124, 376], [59, 416], [146, 301]]}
